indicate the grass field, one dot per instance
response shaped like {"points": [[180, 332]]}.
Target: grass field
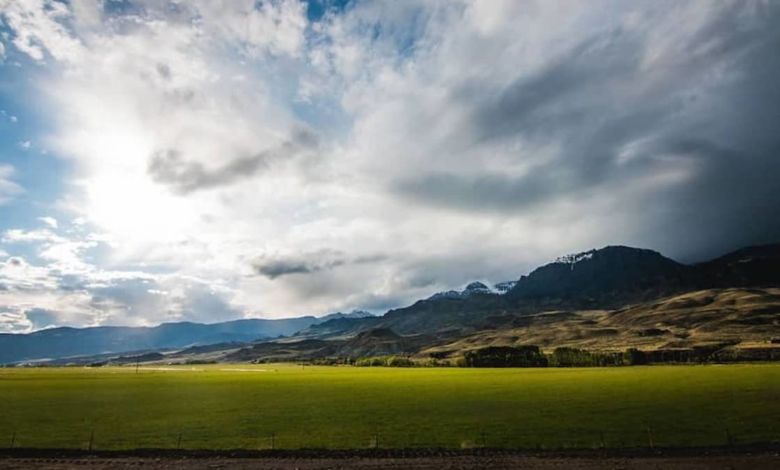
{"points": [[242, 406]]}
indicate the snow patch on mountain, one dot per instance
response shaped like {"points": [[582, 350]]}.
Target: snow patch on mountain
{"points": [[473, 288], [573, 259], [352, 314], [477, 287], [504, 287]]}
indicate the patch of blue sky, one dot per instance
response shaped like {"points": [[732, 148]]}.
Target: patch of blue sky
{"points": [[316, 9], [23, 128], [123, 7], [324, 114]]}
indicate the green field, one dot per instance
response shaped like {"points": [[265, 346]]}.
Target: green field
{"points": [[241, 406]]}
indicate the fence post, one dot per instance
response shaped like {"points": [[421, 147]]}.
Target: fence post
{"points": [[91, 440], [273, 440], [650, 438], [178, 442], [13, 439]]}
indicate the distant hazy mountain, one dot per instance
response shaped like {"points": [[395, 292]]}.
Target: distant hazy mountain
{"points": [[64, 342]]}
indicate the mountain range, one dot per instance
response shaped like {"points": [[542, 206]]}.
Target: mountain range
{"points": [[57, 343], [613, 297]]}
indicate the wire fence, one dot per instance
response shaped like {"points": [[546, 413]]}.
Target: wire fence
{"points": [[96, 440]]}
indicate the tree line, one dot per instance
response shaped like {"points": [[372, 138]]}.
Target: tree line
{"points": [[533, 356]]}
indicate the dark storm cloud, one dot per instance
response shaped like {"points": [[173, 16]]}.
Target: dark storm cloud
{"points": [[556, 97], [710, 105], [478, 192], [277, 268], [170, 167], [274, 267]]}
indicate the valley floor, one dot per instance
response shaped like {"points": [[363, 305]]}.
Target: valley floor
{"points": [[292, 407]]}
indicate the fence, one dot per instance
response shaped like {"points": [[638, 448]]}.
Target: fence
{"points": [[105, 440]]}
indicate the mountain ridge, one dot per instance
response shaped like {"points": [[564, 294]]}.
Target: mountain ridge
{"points": [[69, 341], [606, 278]]}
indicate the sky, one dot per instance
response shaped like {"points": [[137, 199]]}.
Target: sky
{"points": [[163, 160]]}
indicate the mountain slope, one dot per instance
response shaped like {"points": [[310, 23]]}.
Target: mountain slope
{"points": [[751, 266], [734, 317], [608, 277], [350, 315], [604, 279]]}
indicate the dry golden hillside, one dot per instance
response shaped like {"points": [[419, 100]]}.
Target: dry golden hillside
{"points": [[742, 317]]}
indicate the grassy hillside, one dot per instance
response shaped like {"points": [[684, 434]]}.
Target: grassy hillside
{"points": [[741, 318], [230, 406]]}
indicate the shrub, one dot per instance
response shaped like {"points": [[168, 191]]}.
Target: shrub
{"points": [[633, 356], [573, 357], [397, 361], [505, 356]]}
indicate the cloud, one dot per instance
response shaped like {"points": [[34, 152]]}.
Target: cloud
{"points": [[8, 188], [64, 287], [612, 109], [40, 318], [39, 296], [38, 27], [169, 167], [21, 236], [200, 302], [276, 26], [3, 112], [484, 192], [273, 267], [50, 221]]}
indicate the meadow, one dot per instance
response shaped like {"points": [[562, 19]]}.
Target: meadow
{"points": [[288, 406]]}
